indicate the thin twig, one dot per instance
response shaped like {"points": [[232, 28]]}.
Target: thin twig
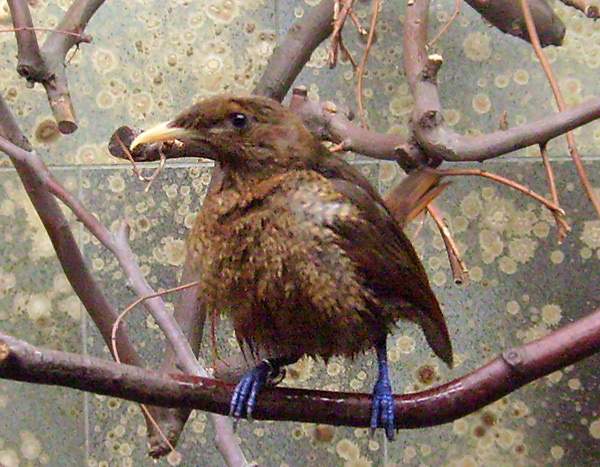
{"points": [[446, 26], [339, 18], [117, 323], [460, 272], [115, 329], [561, 232], [362, 31], [556, 210], [561, 105], [348, 54], [136, 170], [363, 63], [28, 28]]}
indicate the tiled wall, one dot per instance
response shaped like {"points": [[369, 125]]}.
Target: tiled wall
{"points": [[148, 60]]}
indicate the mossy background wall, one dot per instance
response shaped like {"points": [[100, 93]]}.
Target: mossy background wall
{"points": [[148, 60]]}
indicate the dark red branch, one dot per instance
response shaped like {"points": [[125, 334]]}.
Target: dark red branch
{"points": [[516, 367]]}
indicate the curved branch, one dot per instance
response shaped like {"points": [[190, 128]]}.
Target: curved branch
{"points": [[507, 16], [452, 146], [20, 361], [438, 140]]}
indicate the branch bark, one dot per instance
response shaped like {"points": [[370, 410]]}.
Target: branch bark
{"points": [[34, 174], [507, 16], [47, 65], [512, 370], [437, 140], [291, 55]]}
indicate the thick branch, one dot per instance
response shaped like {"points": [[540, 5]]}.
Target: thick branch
{"points": [[33, 173], [507, 16], [438, 140], [329, 122], [30, 63], [291, 55], [451, 146], [515, 368], [47, 66]]}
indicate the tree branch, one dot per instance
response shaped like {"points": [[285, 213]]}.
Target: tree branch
{"points": [[438, 140], [507, 16], [47, 65], [291, 55], [515, 368], [34, 174]]}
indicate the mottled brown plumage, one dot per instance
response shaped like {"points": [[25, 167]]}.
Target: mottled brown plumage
{"points": [[297, 247]]}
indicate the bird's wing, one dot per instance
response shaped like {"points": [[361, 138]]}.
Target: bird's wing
{"points": [[387, 260]]}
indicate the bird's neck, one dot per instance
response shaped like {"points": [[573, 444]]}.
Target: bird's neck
{"points": [[243, 181]]}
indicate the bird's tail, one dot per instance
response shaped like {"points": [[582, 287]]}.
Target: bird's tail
{"points": [[407, 199], [437, 336]]}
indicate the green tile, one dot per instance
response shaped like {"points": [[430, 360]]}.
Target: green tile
{"points": [[523, 286], [37, 305], [155, 58]]}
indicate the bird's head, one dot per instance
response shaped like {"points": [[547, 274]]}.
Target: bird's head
{"points": [[246, 134]]}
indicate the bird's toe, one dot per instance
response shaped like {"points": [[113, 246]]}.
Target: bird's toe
{"points": [[246, 392], [383, 409]]}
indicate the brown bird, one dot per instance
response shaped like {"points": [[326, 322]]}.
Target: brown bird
{"points": [[298, 248]]}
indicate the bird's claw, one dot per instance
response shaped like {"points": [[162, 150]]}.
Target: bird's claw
{"points": [[382, 414], [246, 392]]}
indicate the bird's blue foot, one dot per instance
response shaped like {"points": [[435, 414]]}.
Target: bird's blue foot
{"points": [[246, 392], [382, 414]]}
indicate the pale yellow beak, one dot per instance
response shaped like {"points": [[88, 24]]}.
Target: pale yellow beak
{"points": [[161, 132]]}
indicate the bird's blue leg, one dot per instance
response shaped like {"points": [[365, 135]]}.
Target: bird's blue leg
{"points": [[246, 392], [382, 414]]}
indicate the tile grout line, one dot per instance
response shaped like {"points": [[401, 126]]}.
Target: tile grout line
{"points": [[86, 395]]}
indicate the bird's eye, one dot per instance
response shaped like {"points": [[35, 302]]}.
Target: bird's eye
{"points": [[239, 120]]}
